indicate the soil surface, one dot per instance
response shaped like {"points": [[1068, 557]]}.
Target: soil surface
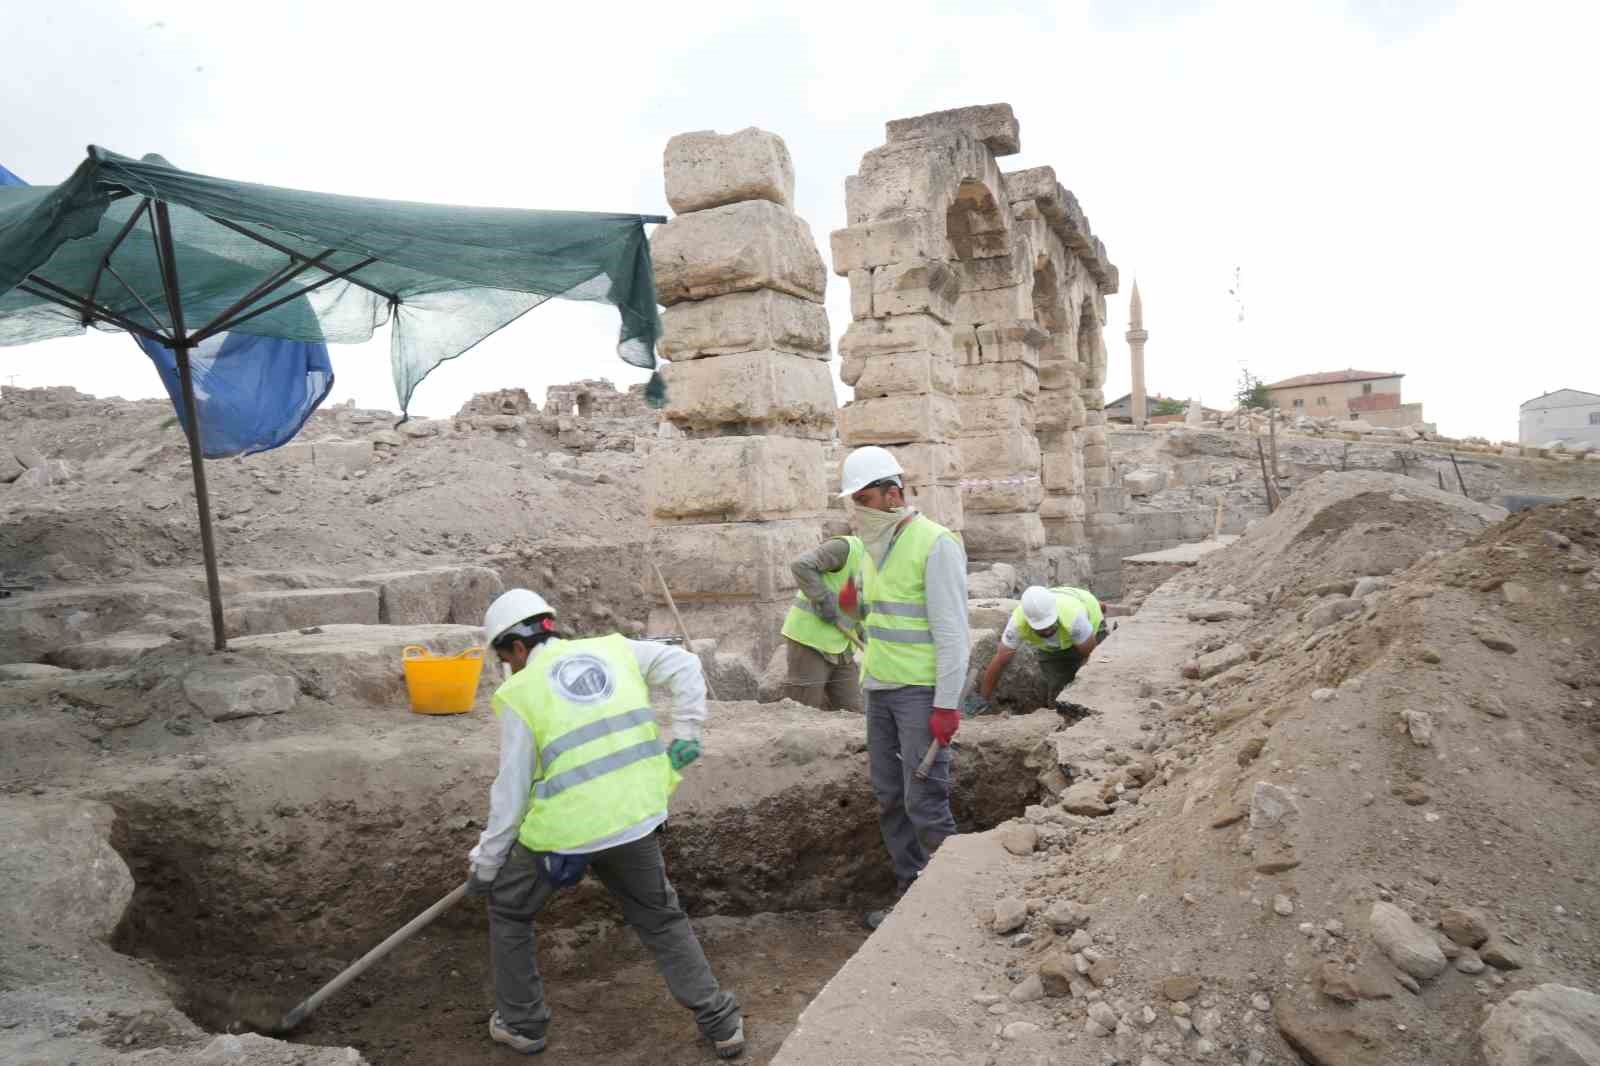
{"points": [[429, 1002]]}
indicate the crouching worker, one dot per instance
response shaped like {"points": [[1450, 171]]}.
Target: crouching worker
{"points": [[822, 669], [1064, 626], [584, 783]]}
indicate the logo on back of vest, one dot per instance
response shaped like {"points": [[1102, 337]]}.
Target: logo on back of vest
{"points": [[583, 679]]}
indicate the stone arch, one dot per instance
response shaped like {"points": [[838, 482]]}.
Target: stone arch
{"points": [[975, 225]]}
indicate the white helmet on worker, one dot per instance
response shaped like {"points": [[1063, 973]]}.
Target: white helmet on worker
{"points": [[867, 465], [511, 607], [1039, 607]]}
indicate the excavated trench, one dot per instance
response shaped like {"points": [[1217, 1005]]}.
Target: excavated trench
{"points": [[256, 884]]}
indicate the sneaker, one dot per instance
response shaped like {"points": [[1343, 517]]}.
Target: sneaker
{"points": [[733, 1046], [504, 1034]]}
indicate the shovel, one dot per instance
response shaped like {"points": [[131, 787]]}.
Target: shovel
{"points": [[296, 1017]]}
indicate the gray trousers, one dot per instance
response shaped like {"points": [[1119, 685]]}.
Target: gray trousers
{"points": [[913, 815], [636, 877], [817, 681]]}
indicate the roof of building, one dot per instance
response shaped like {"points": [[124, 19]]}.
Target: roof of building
{"points": [[1333, 377], [1150, 398], [1557, 392]]}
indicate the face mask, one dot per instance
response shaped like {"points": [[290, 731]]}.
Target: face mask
{"points": [[876, 528]]}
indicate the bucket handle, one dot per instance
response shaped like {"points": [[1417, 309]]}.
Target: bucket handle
{"points": [[417, 651]]}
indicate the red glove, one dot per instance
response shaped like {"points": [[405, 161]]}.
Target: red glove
{"points": [[849, 599], [944, 724]]}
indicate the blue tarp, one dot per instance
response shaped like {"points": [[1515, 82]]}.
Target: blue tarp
{"points": [[252, 393]]}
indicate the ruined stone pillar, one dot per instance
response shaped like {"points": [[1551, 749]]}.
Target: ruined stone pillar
{"points": [[742, 493], [1137, 335]]}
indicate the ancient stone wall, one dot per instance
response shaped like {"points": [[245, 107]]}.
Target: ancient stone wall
{"points": [[742, 491], [978, 301], [594, 398]]}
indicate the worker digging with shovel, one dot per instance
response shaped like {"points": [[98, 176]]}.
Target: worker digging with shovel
{"points": [[584, 784], [820, 630]]}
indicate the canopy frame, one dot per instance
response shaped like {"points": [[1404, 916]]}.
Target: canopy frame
{"points": [[181, 340]]}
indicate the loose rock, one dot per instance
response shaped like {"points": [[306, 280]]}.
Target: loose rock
{"points": [[1010, 914], [1407, 944], [1551, 1025]]}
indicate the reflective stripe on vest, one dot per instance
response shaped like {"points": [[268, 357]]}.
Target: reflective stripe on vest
{"points": [[602, 767], [1069, 603], [804, 626], [900, 646]]}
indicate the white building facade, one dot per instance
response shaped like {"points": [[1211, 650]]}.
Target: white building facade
{"points": [[1568, 415]]}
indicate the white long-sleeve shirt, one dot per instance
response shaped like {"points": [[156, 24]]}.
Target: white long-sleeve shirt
{"points": [[663, 666]]}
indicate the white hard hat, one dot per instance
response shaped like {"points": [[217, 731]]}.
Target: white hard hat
{"points": [[864, 466], [1039, 607], [511, 607]]}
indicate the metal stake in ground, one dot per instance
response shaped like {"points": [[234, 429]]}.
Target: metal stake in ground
{"points": [[1459, 479], [683, 630]]}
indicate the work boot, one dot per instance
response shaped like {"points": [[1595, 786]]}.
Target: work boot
{"points": [[502, 1033], [733, 1046]]}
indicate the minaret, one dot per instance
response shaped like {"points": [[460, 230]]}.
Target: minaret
{"points": [[1136, 338]]}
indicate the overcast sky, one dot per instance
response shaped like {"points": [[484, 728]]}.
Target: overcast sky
{"points": [[1403, 186]]}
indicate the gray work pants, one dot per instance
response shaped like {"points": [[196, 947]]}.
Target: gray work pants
{"points": [[636, 877], [817, 681], [913, 815]]}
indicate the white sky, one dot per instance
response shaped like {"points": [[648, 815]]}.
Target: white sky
{"points": [[1404, 186]]}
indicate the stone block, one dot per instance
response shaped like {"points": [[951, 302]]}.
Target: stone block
{"points": [[918, 286], [918, 235], [899, 420], [706, 169], [899, 372], [737, 479], [1009, 342], [901, 179], [993, 124], [1003, 536], [1009, 270], [940, 502], [1001, 495], [119, 649], [860, 294], [925, 464], [1060, 472], [1064, 508], [788, 394], [763, 320], [995, 414], [1080, 415], [459, 594], [995, 305], [736, 248], [225, 693], [64, 881], [1015, 451], [1054, 414], [998, 379], [1058, 376], [900, 333], [743, 630], [1064, 532], [342, 456], [1097, 477], [1094, 454], [285, 609], [363, 662], [731, 561], [1146, 481]]}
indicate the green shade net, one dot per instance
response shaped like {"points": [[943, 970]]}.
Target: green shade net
{"points": [[443, 277]]}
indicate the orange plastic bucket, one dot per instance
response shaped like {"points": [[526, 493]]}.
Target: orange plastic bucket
{"points": [[442, 684]]}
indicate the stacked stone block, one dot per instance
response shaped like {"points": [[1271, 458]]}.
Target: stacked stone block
{"points": [[742, 491]]}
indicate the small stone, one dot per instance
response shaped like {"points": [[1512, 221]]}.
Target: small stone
{"points": [[1079, 940], [1010, 914], [1019, 1031], [1428, 655], [1469, 962], [1408, 946], [1000, 1008], [1019, 839], [1180, 987], [1102, 1017], [1493, 639], [1514, 592], [1557, 540], [1260, 1002], [1030, 990], [985, 999], [1465, 926], [1282, 905], [1409, 983], [1419, 724], [1499, 954], [1066, 915], [1184, 1025], [1323, 695]]}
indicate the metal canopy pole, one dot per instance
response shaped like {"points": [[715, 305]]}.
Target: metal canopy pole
{"points": [[180, 347]]}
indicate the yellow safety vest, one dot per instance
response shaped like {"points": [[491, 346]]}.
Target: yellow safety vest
{"points": [[602, 767], [899, 642], [802, 624], [1069, 603]]}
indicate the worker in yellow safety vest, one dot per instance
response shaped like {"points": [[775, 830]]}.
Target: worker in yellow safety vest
{"points": [[914, 613], [584, 784], [1063, 626], [819, 636]]}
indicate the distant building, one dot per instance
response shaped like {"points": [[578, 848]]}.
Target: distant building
{"points": [[1121, 409], [1569, 415], [1369, 395]]}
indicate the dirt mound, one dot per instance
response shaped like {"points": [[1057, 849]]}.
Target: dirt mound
{"points": [[1329, 807], [1341, 526]]}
